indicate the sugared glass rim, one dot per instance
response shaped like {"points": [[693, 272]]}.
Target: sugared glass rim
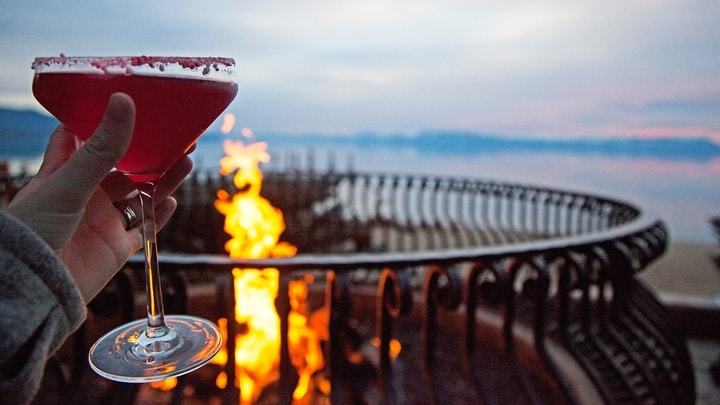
{"points": [[205, 67]]}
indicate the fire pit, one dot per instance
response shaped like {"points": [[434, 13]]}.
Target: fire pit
{"points": [[452, 290]]}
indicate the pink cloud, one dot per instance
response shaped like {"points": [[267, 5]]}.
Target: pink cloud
{"points": [[664, 132]]}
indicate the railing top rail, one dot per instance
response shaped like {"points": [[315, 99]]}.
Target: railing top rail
{"points": [[644, 223]]}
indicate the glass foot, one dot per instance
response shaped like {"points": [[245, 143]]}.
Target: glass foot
{"points": [[128, 354]]}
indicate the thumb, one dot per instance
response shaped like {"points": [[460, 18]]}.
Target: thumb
{"points": [[77, 179], [61, 146], [53, 205]]}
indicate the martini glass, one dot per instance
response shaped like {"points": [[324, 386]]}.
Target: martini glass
{"points": [[176, 99]]}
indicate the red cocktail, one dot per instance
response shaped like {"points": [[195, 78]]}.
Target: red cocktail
{"points": [[176, 99], [172, 110]]}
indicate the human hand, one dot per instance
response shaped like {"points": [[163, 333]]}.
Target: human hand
{"points": [[66, 207]]}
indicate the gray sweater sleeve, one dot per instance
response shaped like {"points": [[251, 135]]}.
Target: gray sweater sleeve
{"points": [[40, 306]]}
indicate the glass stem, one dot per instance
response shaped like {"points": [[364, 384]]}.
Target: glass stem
{"points": [[155, 310]]}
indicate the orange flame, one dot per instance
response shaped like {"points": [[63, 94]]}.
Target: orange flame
{"points": [[255, 227], [228, 123]]}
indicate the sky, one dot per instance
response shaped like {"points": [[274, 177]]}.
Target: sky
{"points": [[596, 68]]}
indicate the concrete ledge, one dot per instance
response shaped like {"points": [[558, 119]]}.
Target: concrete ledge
{"points": [[697, 316]]}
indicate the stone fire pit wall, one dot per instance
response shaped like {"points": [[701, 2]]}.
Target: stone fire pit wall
{"points": [[498, 292]]}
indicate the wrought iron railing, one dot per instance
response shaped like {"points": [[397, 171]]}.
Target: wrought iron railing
{"points": [[362, 212], [558, 265], [500, 290]]}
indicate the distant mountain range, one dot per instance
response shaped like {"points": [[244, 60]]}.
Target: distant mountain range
{"points": [[471, 143], [25, 134]]}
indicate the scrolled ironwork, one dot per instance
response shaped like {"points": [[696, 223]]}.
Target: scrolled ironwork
{"points": [[442, 289], [394, 298], [561, 264], [485, 284]]}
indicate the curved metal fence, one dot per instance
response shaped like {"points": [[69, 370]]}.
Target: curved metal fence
{"points": [[499, 292], [479, 258]]}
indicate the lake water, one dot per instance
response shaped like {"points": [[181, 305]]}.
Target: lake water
{"points": [[684, 193]]}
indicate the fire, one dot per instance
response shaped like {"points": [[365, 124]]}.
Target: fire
{"points": [[255, 227], [258, 344], [228, 123]]}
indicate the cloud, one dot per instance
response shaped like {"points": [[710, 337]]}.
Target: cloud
{"points": [[347, 66]]}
